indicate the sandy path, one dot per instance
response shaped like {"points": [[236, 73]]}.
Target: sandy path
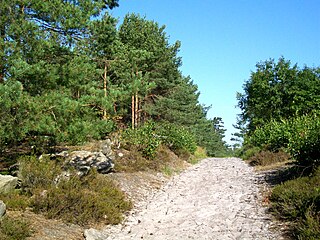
{"points": [[215, 199]]}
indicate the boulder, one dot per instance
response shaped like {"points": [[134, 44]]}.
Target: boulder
{"points": [[2, 209], [83, 161], [7, 183]]}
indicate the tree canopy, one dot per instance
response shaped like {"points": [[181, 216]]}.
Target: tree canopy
{"points": [[278, 90], [68, 74]]}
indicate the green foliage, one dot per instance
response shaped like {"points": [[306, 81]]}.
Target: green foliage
{"points": [[176, 137], [142, 139], [299, 200], [13, 113], [300, 136], [248, 152], [198, 155], [16, 200], [68, 75], [278, 91], [14, 229], [304, 142], [148, 137]]}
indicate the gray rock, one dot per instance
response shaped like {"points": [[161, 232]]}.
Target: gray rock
{"points": [[106, 148], [7, 183], [2, 209], [83, 161], [92, 234]]}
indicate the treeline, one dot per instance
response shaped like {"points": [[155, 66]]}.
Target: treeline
{"points": [[280, 116], [280, 110], [69, 73]]}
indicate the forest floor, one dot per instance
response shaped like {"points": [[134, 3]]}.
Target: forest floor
{"points": [[218, 198]]}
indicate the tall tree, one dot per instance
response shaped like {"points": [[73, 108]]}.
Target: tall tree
{"points": [[38, 36], [278, 90], [147, 61]]}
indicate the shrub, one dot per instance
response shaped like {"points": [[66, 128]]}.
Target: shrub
{"points": [[265, 157], [177, 138], [92, 198], [298, 200], [147, 138], [133, 161], [82, 201], [304, 142], [14, 229], [309, 228], [37, 173], [199, 154], [142, 139], [15, 200], [300, 137], [249, 152]]}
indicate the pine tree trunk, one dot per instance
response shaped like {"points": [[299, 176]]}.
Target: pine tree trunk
{"points": [[105, 87], [136, 110], [132, 111], [2, 59]]}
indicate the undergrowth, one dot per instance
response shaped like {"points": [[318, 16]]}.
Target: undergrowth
{"points": [[198, 155], [14, 229], [134, 161], [265, 157], [80, 200], [298, 200]]}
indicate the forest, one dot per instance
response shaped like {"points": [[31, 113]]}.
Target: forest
{"points": [[280, 121], [71, 73]]}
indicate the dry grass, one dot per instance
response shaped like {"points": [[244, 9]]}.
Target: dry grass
{"points": [[133, 161], [266, 158], [275, 165]]}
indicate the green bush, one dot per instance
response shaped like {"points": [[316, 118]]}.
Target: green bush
{"points": [[198, 155], [300, 137], [143, 139], [176, 138], [298, 200], [249, 152], [16, 200], [149, 136], [309, 228], [304, 142], [14, 229]]}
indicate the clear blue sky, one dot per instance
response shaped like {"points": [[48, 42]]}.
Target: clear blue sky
{"points": [[222, 40]]}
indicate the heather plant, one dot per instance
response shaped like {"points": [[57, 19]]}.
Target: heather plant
{"points": [[80, 200], [14, 229], [298, 200]]}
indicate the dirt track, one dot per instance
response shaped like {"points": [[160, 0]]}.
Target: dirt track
{"points": [[215, 199]]}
